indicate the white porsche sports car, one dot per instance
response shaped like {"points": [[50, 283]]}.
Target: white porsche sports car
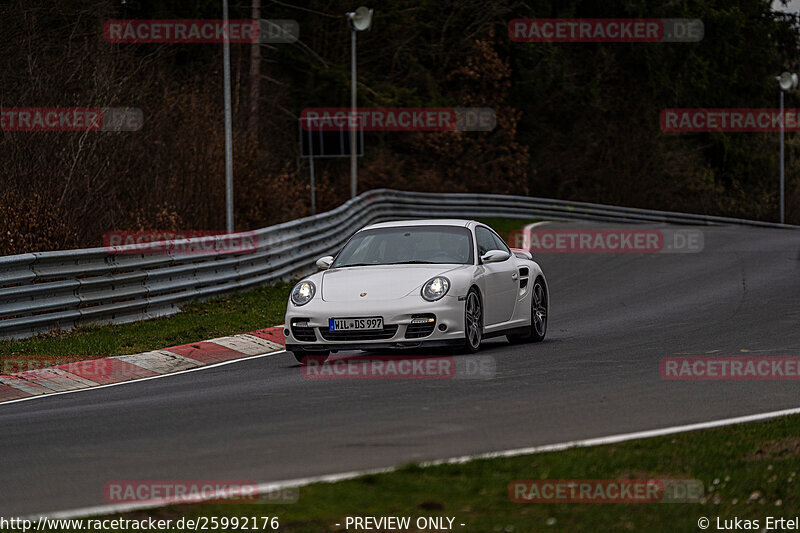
{"points": [[418, 283]]}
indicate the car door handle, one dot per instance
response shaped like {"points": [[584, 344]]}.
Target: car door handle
{"points": [[514, 275]]}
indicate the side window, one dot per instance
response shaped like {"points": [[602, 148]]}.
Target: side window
{"points": [[485, 240], [500, 244]]}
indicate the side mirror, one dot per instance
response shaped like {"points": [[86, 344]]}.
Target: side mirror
{"points": [[495, 256], [324, 263]]}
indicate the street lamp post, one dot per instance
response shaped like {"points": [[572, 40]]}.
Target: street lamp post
{"points": [[226, 67], [786, 81], [360, 20]]}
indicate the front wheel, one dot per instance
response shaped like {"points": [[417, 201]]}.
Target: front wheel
{"points": [[538, 327], [473, 322]]}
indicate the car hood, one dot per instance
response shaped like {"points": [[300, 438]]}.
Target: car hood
{"points": [[380, 282]]}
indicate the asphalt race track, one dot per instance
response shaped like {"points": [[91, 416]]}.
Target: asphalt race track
{"points": [[613, 317]]}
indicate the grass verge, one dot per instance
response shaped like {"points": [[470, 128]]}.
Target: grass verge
{"points": [[748, 471], [504, 226]]}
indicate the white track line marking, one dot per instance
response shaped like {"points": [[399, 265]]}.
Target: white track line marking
{"points": [[532, 225], [344, 476], [613, 439], [137, 380], [526, 231]]}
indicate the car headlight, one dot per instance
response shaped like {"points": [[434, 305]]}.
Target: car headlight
{"points": [[435, 288], [303, 292]]}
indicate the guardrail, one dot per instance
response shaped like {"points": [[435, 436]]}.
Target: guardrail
{"points": [[47, 290]]}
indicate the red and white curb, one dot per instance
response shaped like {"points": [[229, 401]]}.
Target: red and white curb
{"points": [[108, 370]]}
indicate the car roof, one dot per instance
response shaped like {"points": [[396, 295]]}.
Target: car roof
{"points": [[423, 222]]}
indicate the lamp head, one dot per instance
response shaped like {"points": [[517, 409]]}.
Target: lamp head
{"points": [[360, 19], [787, 81]]}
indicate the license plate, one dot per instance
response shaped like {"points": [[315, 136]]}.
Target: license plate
{"points": [[355, 324]]}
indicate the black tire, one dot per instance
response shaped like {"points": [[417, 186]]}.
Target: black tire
{"points": [[538, 327], [473, 322], [320, 355]]}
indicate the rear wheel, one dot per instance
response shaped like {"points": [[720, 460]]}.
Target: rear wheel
{"points": [[473, 322], [538, 327], [319, 356]]}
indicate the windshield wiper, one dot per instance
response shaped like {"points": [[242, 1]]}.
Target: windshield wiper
{"points": [[357, 265], [388, 264]]}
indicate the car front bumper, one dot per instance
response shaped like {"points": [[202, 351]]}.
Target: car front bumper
{"points": [[448, 312]]}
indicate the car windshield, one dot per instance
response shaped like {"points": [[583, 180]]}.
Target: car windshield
{"points": [[408, 245]]}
